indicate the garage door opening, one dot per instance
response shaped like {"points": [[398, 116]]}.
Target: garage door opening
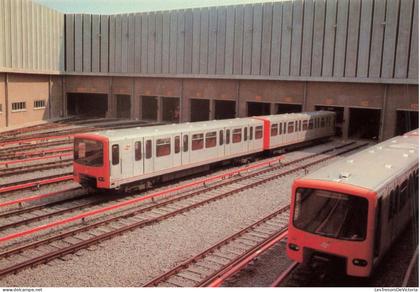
{"points": [[224, 109], [170, 108], [285, 108], [200, 110], [406, 121], [339, 117], [149, 107], [87, 104], [364, 123], [258, 109], [123, 106]]}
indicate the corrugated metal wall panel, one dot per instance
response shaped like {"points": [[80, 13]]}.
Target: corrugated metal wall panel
{"points": [[378, 28], [105, 43], [151, 42], [413, 69], [403, 40], [124, 43], [308, 23], [364, 38], [211, 68], [221, 40], [180, 44], [296, 38], [96, 43], [286, 38], [230, 37], [329, 38], [266, 38], [303, 38], [158, 46], [188, 49], [238, 43], [390, 37]]}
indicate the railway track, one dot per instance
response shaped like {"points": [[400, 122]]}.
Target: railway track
{"points": [[6, 153], [37, 167], [35, 183], [207, 267], [98, 229]]}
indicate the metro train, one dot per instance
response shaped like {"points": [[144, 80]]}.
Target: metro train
{"points": [[134, 158], [351, 211]]}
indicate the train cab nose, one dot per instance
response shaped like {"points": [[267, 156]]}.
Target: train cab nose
{"points": [[90, 167]]}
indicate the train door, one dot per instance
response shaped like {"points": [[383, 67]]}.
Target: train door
{"points": [[148, 161], [138, 157], [121, 160], [163, 153], [228, 138], [245, 139], [176, 157], [221, 144], [186, 146]]}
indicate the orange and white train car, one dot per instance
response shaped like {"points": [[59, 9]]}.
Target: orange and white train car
{"points": [[114, 158], [351, 211]]}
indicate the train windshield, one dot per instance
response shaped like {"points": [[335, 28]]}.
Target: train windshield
{"points": [[331, 214], [88, 152]]}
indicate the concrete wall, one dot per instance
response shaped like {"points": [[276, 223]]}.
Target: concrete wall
{"points": [[32, 38], [323, 40]]}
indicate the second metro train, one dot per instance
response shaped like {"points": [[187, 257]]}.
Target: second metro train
{"points": [[123, 158]]}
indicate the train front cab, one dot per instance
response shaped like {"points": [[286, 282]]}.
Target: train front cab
{"points": [[334, 221], [91, 161]]}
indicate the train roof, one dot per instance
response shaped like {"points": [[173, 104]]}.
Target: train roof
{"points": [[119, 134], [175, 128], [373, 167], [305, 115]]}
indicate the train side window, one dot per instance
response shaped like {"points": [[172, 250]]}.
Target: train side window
{"points": [[163, 147], [258, 132], [221, 137], [280, 128], [245, 133], [290, 128], [148, 149], [378, 226], [322, 123], [403, 194], [211, 139], [311, 124], [305, 125], [177, 144], [137, 150], [185, 143], [197, 142], [296, 126], [227, 137], [251, 133], [300, 126], [284, 127], [236, 135], [274, 130], [115, 154], [391, 205]]}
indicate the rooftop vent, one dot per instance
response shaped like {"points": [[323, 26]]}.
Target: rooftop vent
{"points": [[344, 175], [389, 166], [350, 161]]}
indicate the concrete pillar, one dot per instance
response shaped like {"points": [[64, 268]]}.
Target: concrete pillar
{"points": [[185, 107], [387, 119], [139, 107], [64, 112], [159, 108], [212, 109], [346, 123], [133, 107], [273, 108]]}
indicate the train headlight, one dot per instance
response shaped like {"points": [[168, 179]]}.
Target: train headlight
{"points": [[359, 262], [293, 246]]}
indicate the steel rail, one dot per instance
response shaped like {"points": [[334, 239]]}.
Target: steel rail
{"points": [[35, 183], [280, 279]]}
